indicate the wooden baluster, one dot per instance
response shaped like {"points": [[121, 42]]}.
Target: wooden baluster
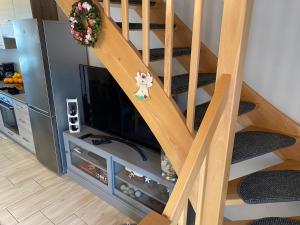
{"points": [[146, 32], [169, 36], [194, 67], [183, 217], [201, 188], [231, 61], [106, 6], [125, 19]]}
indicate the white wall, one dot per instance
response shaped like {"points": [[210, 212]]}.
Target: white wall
{"points": [[272, 61]]}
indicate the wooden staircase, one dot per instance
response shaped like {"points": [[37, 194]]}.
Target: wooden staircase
{"points": [[199, 142]]}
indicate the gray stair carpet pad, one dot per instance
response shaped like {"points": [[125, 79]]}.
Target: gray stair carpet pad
{"points": [[270, 187], [275, 221]]}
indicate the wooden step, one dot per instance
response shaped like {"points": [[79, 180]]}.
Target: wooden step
{"points": [[139, 26], [250, 144], [159, 53], [245, 107], [180, 83], [233, 197]]}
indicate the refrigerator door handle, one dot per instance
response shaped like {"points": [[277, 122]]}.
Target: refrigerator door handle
{"points": [[37, 110]]}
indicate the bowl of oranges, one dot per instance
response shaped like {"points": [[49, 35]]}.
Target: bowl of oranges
{"points": [[15, 79]]}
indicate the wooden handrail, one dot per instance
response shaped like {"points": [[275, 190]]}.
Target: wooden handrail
{"points": [[194, 65], [168, 70], [198, 150]]}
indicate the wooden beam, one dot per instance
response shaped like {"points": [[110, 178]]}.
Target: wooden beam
{"points": [[198, 151], [233, 42], [146, 32], [194, 66], [168, 67], [125, 19]]}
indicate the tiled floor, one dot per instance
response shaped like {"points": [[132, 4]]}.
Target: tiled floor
{"points": [[32, 195]]}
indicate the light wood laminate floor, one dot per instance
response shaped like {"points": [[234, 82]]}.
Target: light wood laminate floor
{"points": [[32, 195]]}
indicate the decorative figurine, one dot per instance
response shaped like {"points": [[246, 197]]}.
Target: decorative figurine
{"points": [[144, 82], [137, 194], [147, 180]]}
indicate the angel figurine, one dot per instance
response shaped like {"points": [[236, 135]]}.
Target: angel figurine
{"points": [[144, 82]]}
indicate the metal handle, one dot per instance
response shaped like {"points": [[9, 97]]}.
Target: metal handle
{"points": [[25, 139], [6, 106]]}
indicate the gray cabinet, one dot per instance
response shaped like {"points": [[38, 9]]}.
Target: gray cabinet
{"points": [[1, 122], [24, 125], [118, 174]]}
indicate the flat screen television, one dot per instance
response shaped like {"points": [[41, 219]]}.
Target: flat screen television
{"points": [[107, 108]]}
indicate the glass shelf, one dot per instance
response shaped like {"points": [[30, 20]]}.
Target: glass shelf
{"points": [[90, 163], [136, 188]]}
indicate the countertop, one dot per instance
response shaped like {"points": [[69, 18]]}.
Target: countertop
{"points": [[19, 97]]}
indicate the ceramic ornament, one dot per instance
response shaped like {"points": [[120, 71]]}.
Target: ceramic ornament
{"points": [[147, 180], [144, 82]]}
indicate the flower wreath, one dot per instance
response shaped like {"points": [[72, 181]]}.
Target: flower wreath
{"points": [[85, 22]]}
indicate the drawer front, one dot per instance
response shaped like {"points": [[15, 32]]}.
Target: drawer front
{"points": [[23, 120]]}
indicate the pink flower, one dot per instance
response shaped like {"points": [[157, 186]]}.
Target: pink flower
{"points": [[89, 30], [88, 37], [79, 6], [86, 6], [86, 41], [92, 22], [72, 31]]}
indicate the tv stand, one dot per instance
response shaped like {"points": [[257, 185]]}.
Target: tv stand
{"points": [[121, 140], [116, 173]]}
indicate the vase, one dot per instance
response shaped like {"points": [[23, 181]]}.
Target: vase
{"points": [[167, 170]]}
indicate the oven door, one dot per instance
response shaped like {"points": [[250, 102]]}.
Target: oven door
{"points": [[9, 117]]}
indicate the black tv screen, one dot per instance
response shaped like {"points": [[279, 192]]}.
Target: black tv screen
{"points": [[107, 108]]}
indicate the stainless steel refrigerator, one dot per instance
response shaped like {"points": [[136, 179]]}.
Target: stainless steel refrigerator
{"points": [[49, 61]]}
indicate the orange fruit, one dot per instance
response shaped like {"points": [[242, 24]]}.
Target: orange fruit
{"points": [[5, 80], [16, 80], [10, 80], [20, 80]]}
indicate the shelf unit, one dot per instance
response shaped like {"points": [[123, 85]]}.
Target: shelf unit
{"points": [[118, 160]]}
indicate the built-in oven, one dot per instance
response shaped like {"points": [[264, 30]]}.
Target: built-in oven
{"points": [[8, 114]]}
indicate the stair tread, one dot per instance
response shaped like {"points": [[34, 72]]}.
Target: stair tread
{"points": [[139, 26], [180, 83], [159, 53], [266, 221], [251, 144], [270, 187], [233, 197], [245, 107], [275, 221]]}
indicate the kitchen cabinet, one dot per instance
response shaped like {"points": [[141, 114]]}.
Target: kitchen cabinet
{"points": [[6, 11], [22, 9], [1, 123], [24, 125]]}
